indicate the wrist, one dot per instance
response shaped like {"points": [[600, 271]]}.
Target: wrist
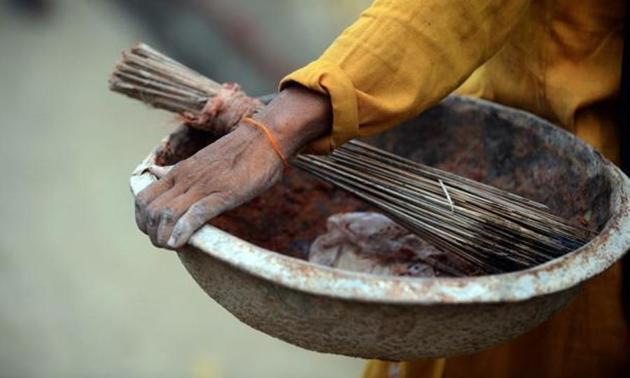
{"points": [[296, 117]]}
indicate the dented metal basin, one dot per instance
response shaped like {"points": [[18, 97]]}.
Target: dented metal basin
{"points": [[252, 260]]}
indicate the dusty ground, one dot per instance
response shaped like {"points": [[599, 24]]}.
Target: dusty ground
{"points": [[82, 293]]}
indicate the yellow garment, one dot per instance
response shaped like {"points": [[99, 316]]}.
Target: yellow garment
{"points": [[560, 59]]}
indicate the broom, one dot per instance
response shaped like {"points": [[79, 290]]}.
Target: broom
{"points": [[494, 230]]}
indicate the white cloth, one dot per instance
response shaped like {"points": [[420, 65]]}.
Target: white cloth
{"points": [[372, 243]]}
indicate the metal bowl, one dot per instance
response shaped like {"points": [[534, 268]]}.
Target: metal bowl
{"points": [[253, 267]]}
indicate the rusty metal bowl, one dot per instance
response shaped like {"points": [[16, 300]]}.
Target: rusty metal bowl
{"points": [[254, 267]]}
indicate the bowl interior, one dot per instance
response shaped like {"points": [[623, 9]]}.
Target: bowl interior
{"points": [[492, 144]]}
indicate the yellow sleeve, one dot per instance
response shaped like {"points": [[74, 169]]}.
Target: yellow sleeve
{"points": [[402, 56]]}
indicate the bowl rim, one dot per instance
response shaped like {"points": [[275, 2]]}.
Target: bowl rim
{"points": [[554, 276]]}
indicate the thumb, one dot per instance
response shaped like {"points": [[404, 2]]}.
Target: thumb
{"points": [[196, 216]]}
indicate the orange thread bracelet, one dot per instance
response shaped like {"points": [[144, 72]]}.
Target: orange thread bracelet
{"points": [[272, 140]]}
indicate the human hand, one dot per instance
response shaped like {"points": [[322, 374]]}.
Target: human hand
{"points": [[229, 172]]}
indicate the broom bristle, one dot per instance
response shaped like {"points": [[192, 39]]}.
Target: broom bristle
{"points": [[494, 230], [150, 76]]}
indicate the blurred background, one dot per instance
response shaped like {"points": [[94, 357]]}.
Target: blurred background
{"points": [[82, 292]]}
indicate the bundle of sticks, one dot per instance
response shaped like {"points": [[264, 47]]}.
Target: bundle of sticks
{"points": [[492, 229]]}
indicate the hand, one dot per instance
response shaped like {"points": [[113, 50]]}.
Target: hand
{"points": [[230, 171], [219, 177]]}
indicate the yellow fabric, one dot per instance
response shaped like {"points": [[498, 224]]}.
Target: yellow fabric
{"points": [[560, 59], [430, 368], [557, 58], [403, 56]]}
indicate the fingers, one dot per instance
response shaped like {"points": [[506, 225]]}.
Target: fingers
{"points": [[215, 179], [157, 210], [162, 214], [198, 214], [170, 214], [148, 195], [152, 192]]}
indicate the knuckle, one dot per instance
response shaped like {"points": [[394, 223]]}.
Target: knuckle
{"points": [[167, 215], [198, 210], [153, 214], [141, 201], [223, 199], [168, 180]]}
